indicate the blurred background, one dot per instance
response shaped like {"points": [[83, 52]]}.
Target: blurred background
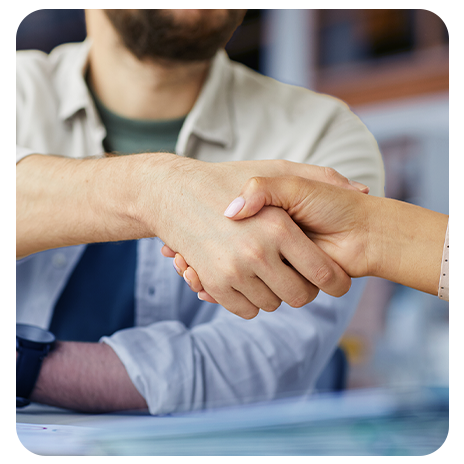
{"points": [[392, 68]]}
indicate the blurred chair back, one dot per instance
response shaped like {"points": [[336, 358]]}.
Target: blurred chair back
{"points": [[45, 29]]}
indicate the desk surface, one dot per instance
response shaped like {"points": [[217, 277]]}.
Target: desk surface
{"points": [[41, 414], [360, 422]]}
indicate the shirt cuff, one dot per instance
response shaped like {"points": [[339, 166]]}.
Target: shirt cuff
{"points": [[443, 286]]}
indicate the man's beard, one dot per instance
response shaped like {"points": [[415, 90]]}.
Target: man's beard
{"points": [[155, 34]]}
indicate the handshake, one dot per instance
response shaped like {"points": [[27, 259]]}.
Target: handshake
{"points": [[342, 233]]}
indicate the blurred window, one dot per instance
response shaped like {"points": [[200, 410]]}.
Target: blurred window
{"points": [[373, 55]]}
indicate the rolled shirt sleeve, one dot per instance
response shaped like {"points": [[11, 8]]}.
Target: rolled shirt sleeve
{"points": [[230, 360]]}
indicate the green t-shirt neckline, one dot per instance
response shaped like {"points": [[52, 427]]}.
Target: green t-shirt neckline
{"points": [[127, 136]]}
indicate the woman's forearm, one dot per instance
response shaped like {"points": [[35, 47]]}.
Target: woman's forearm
{"points": [[407, 243]]}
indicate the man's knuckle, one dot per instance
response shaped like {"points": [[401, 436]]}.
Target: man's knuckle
{"points": [[253, 183], [271, 306], [250, 314], [247, 310], [254, 253], [277, 226], [229, 271], [300, 299], [330, 173], [343, 288], [324, 275], [213, 289], [220, 281]]}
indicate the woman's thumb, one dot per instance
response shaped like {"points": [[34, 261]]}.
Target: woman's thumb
{"points": [[254, 195]]}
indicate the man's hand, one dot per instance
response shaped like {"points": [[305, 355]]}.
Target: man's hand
{"points": [[333, 217], [251, 265], [305, 257]]}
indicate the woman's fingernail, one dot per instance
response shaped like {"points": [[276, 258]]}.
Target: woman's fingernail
{"points": [[199, 297], [175, 267], [185, 278], [234, 207], [359, 186]]}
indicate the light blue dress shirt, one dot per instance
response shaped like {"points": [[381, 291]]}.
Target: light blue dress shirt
{"points": [[187, 354]]}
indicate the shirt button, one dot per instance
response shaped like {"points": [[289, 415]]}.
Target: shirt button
{"points": [[59, 260], [151, 291]]}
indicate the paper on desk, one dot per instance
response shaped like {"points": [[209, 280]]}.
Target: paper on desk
{"points": [[357, 423], [49, 440]]}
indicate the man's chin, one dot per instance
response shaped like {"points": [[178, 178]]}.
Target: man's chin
{"points": [[175, 35]]}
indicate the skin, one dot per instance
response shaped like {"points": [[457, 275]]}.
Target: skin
{"points": [[62, 202], [88, 377], [367, 236]]}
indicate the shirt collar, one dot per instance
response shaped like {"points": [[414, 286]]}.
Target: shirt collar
{"points": [[210, 118], [71, 62]]}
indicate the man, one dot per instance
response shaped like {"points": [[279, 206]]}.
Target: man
{"points": [[151, 81]]}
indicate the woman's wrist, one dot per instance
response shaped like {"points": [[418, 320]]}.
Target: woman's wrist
{"points": [[384, 247]]}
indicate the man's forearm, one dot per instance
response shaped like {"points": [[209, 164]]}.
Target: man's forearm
{"points": [[86, 377], [62, 201]]}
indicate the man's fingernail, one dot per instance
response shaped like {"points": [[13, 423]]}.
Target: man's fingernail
{"points": [[234, 207], [359, 186]]}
